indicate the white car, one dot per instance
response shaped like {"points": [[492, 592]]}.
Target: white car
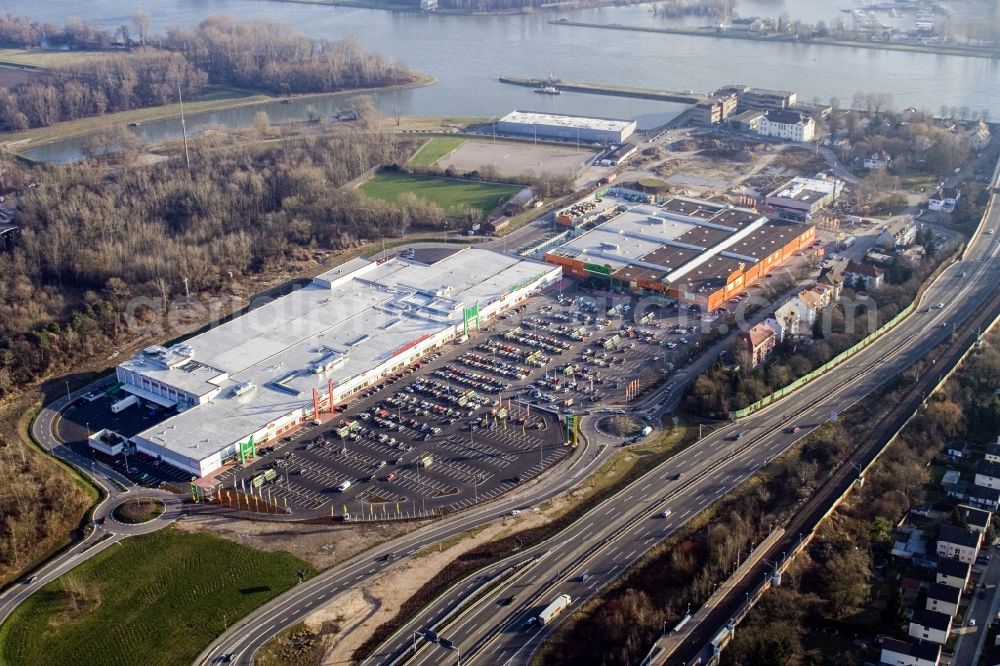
{"points": [[344, 486], [666, 514]]}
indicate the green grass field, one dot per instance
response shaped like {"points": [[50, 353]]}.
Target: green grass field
{"points": [[153, 600], [435, 149], [46, 58], [451, 195]]}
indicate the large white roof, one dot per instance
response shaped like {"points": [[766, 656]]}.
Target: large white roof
{"points": [[572, 122], [350, 328]]}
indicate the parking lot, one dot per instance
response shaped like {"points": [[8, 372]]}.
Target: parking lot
{"points": [[461, 426]]}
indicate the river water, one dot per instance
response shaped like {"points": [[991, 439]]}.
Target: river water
{"points": [[468, 53]]}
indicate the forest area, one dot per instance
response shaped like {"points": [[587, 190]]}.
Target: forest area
{"points": [[258, 55], [96, 240]]}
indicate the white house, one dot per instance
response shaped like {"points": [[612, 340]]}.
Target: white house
{"points": [[959, 544], [952, 573], [790, 125], [988, 474], [979, 136], [945, 199], [900, 233], [993, 453], [878, 161], [905, 653], [789, 318], [943, 598], [863, 276], [930, 626]]}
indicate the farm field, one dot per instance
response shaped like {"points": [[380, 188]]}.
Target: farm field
{"points": [[46, 58], [435, 149], [157, 599], [451, 195]]}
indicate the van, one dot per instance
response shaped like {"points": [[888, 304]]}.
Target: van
{"points": [[344, 486]]}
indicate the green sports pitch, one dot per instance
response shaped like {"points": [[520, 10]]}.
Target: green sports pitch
{"points": [[450, 194], [435, 149]]}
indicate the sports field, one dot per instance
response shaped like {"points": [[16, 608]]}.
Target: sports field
{"points": [[516, 158], [435, 149], [152, 600], [451, 195]]}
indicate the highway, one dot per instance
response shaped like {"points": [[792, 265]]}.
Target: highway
{"points": [[243, 639], [616, 534]]}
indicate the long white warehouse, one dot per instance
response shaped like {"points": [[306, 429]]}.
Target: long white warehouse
{"points": [[254, 378]]}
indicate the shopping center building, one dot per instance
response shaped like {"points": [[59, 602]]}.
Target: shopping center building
{"points": [[252, 379]]}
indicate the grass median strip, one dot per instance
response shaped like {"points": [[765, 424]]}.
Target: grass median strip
{"points": [[155, 599]]}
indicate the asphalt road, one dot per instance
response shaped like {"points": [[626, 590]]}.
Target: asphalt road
{"points": [[616, 534], [107, 532]]}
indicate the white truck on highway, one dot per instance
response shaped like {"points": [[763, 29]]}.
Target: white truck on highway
{"points": [[124, 404], [558, 605]]}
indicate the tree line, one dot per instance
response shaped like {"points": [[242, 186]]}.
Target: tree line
{"points": [[259, 55], [93, 236], [93, 87]]}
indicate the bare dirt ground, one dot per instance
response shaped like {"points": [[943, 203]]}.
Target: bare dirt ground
{"points": [[515, 159], [323, 546]]}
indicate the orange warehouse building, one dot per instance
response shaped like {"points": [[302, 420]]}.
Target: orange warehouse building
{"points": [[695, 251]]}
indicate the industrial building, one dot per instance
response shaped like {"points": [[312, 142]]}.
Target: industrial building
{"points": [[566, 128], [800, 197], [713, 110], [252, 379], [695, 251]]}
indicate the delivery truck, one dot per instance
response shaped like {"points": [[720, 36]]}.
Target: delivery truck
{"points": [[558, 605]]}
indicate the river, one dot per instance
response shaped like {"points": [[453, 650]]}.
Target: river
{"points": [[468, 53]]}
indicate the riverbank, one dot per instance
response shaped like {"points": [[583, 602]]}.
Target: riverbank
{"points": [[222, 99], [689, 97], [933, 49]]}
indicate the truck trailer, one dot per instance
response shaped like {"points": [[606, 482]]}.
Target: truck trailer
{"points": [[558, 605], [124, 404]]}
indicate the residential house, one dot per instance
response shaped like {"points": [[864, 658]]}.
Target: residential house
{"points": [[952, 483], [953, 573], [777, 327], [993, 453], [790, 125], [945, 199], [896, 234], [988, 474], [984, 498], [907, 653], [757, 343], [789, 317], [979, 136], [958, 543], [975, 519], [863, 276], [878, 161], [834, 277], [930, 626], [943, 598]]}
